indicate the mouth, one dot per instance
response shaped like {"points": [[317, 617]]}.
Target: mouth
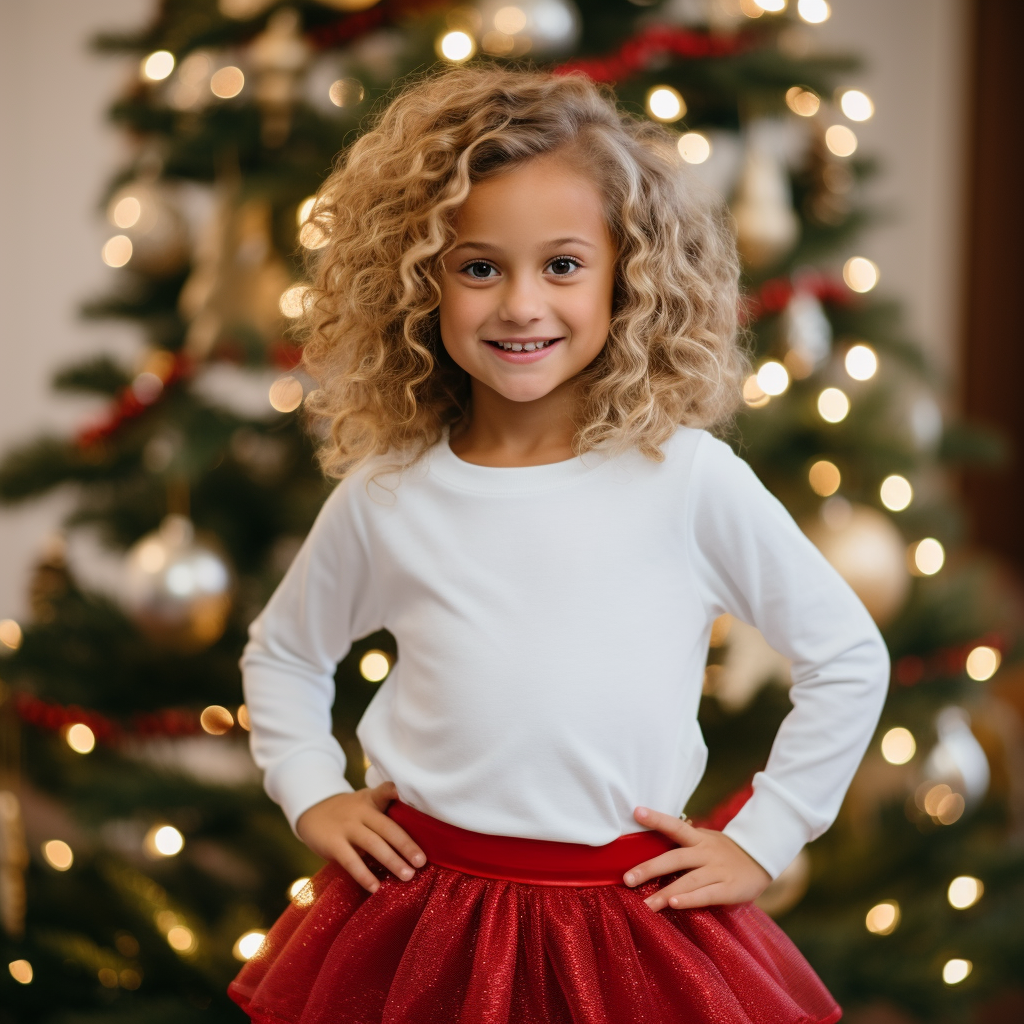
{"points": [[524, 344]]}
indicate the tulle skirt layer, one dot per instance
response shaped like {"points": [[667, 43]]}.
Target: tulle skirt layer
{"points": [[450, 947]]}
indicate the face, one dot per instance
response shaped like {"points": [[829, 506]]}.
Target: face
{"points": [[526, 293]]}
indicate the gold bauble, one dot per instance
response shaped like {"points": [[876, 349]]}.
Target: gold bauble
{"points": [[868, 551], [767, 226]]}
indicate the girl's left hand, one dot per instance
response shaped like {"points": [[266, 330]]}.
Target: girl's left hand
{"points": [[717, 870]]}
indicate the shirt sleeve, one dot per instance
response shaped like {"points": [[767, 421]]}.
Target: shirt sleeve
{"points": [[753, 561], [323, 602]]}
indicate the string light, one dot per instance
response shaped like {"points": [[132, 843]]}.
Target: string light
{"points": [[374, 666], [181, 939], [896, 492], [346, 92], [773, 378], [456, 46], [771, 6], [861, 362], [80, 738], [292, 301], [21, 971], [126, 212], [804, 102], [10, 634], [898, 745], [824, 478], [164, 841], [856, 105], [840, 140], [227, 83], [883, 918], [216, 720], [814, 12], [860, 273], [983, 663], [956, 970], [58, 854], [157, 66], [752, 393], [833, 405], [665, 103], [286, 394], [693, 147], [928, 556], [248, 945], [941, 803], [117, 251], [964, 891]]}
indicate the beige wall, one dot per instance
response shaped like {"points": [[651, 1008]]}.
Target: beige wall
{"points": [[56, 152]]}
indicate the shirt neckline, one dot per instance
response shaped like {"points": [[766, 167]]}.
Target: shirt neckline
{"points": [[447, 466]]}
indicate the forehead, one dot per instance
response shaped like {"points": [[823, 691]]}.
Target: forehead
{"points": [[546, 197]]}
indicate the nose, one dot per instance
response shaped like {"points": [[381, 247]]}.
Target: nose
{"points": [[521, 300]]}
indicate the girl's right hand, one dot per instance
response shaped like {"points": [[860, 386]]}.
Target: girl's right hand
{"points": [[340, 826]]}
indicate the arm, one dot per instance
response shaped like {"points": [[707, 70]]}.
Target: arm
{"points": [[324, 601], [755, 563], [750, 559]]}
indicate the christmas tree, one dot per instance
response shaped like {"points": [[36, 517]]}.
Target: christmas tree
{"points": [[140, 861]]}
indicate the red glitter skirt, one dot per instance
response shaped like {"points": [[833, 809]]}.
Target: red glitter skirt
{"points": [[504, 930]]}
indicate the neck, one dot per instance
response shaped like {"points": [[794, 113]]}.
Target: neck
{"points": [[502, 432]]}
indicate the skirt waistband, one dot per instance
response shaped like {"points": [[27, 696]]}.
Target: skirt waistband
{"points": [[533, 861]]}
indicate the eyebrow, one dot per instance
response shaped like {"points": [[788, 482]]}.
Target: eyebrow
{"points": [[553, 244]]}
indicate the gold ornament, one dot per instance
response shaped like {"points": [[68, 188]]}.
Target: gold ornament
{"points": [[279, 55], [237, 277], [13, 862], [868, 551], [767, 227], [177, 586]]}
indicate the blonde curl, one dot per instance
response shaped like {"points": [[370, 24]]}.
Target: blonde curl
{"points": [[386, 385]]}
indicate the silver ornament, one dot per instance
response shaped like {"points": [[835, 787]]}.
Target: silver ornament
{"points": [[807, 333], [178, 587], [958, 759]]}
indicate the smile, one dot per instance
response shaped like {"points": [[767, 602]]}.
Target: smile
{"points": [[523, 345]]}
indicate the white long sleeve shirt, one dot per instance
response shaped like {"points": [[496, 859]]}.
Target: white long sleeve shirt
{"points": [[552, 625]]}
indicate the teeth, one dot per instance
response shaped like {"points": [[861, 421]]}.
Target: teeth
{"points": [[529, 346]]}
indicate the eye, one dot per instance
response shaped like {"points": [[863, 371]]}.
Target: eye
{"points": [[479, 270], [564, 266]]}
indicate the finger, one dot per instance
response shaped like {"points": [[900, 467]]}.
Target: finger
{"points": [[383, 794], [690, 882], [348, 858], [714, 895], [681, 831], [368, 840], [398, 838], [682, 859]]}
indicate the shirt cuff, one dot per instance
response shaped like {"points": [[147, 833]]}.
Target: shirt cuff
{"points": [[303, 780], [769, 829]]}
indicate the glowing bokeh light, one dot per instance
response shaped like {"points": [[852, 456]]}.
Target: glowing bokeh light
{"points": [[824, 478], [665, 103], [983, 663], [860, 274], [896, 492], [773, 378], [117, 251], [227, 83], [883, 918], [346, 92], [216, 720], [374, 666], [898, 745], [248, 945], [861, 362], [10, 634], [693, 147], [80, 738], [752, 393], [164, 841], [964, 891], [292, 302], [286, 394], [840, 140], [856, 105], [833, 405], [456, 46], [58, 854], [928, 556], [804, 102], [21, 971], [814, 12], [510, 20], [126, 212], [157, 66], [956, 970], [181, 939]]}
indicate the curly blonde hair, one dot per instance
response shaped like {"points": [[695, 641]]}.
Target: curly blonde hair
{"points": [[385, 383]]}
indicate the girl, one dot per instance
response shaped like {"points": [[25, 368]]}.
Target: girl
{"points": [[523, 321]]}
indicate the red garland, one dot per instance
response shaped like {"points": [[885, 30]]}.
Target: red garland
{"points": [[773, 296], [54, 717], [912, 669], [128, 404], [352, 26], [637, 52]]}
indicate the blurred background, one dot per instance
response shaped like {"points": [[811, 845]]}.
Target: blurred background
{"points": [[157, 186]]}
